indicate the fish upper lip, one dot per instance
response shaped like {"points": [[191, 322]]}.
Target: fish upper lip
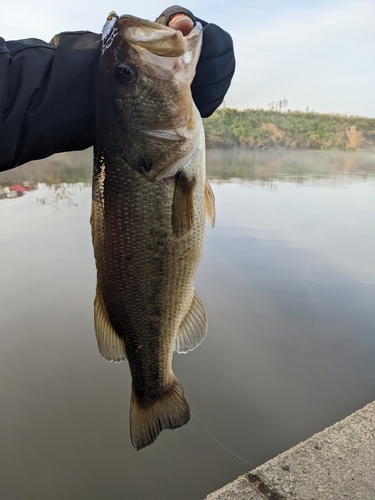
{"points": [[135, 27]]}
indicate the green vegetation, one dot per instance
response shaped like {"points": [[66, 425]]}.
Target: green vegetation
{"points": [[261, 129]]}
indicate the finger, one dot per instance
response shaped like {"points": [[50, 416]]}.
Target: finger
{"points": [[181, 22]]}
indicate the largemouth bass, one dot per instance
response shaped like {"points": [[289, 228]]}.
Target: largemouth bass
{"points": [[150, 196]]}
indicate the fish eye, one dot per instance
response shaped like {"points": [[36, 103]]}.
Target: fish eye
{"points": [[125, 73]]}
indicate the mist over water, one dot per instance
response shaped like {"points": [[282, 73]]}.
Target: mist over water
{"points": [[288, 281]]}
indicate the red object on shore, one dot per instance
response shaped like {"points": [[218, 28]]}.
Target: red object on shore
{"points": [[19, 188]]}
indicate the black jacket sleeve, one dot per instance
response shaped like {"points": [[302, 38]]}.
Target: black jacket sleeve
{"points": [[48, 91], [47, 97]]}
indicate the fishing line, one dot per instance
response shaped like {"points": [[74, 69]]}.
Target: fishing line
{"points": [[218, 442]]}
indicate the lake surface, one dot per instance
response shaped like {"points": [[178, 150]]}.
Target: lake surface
{"points": [[288, 281]]}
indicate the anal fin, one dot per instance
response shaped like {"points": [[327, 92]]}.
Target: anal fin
{"points": [[193, 328], [111, 345]]}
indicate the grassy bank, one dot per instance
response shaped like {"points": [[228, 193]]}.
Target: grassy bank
{"points": [[260, 129]]}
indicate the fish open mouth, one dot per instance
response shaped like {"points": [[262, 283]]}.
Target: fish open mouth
{"points": [[157, 38], [154, 39]]}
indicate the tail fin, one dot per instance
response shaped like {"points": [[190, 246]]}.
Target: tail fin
{"points": [[169, 412]]}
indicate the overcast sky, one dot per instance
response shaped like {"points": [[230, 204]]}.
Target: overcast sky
{"points": [[314, 53]]}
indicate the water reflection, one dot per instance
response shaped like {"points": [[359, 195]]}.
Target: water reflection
{"points": [[60, 195], [288, 280], [63, 168], [265, 167], [299, 167]]}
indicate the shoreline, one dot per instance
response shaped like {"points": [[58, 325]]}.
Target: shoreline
{"points": [[258, 129]]}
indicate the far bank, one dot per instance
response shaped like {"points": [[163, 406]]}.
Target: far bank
{"points": [[261, 129]]}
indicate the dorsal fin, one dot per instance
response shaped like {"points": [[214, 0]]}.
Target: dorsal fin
{"points": [[193, 328]]}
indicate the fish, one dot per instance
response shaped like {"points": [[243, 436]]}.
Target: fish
{"points": [[150, 199]]}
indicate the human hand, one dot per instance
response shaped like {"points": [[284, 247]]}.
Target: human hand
{"points": [[178, 18], [216, 64]]}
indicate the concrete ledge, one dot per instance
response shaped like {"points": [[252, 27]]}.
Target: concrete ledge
{"points": [[240, 489], [335, 464]]}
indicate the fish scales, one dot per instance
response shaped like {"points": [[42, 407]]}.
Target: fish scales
{"points": [[148, 216]]}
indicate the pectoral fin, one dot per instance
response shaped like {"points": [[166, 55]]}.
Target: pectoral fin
{"points": [[209, 203], [193, 329], [111, 345], [183, 204]]}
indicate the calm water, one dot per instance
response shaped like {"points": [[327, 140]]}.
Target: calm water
{"points": [[288, 280]]}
